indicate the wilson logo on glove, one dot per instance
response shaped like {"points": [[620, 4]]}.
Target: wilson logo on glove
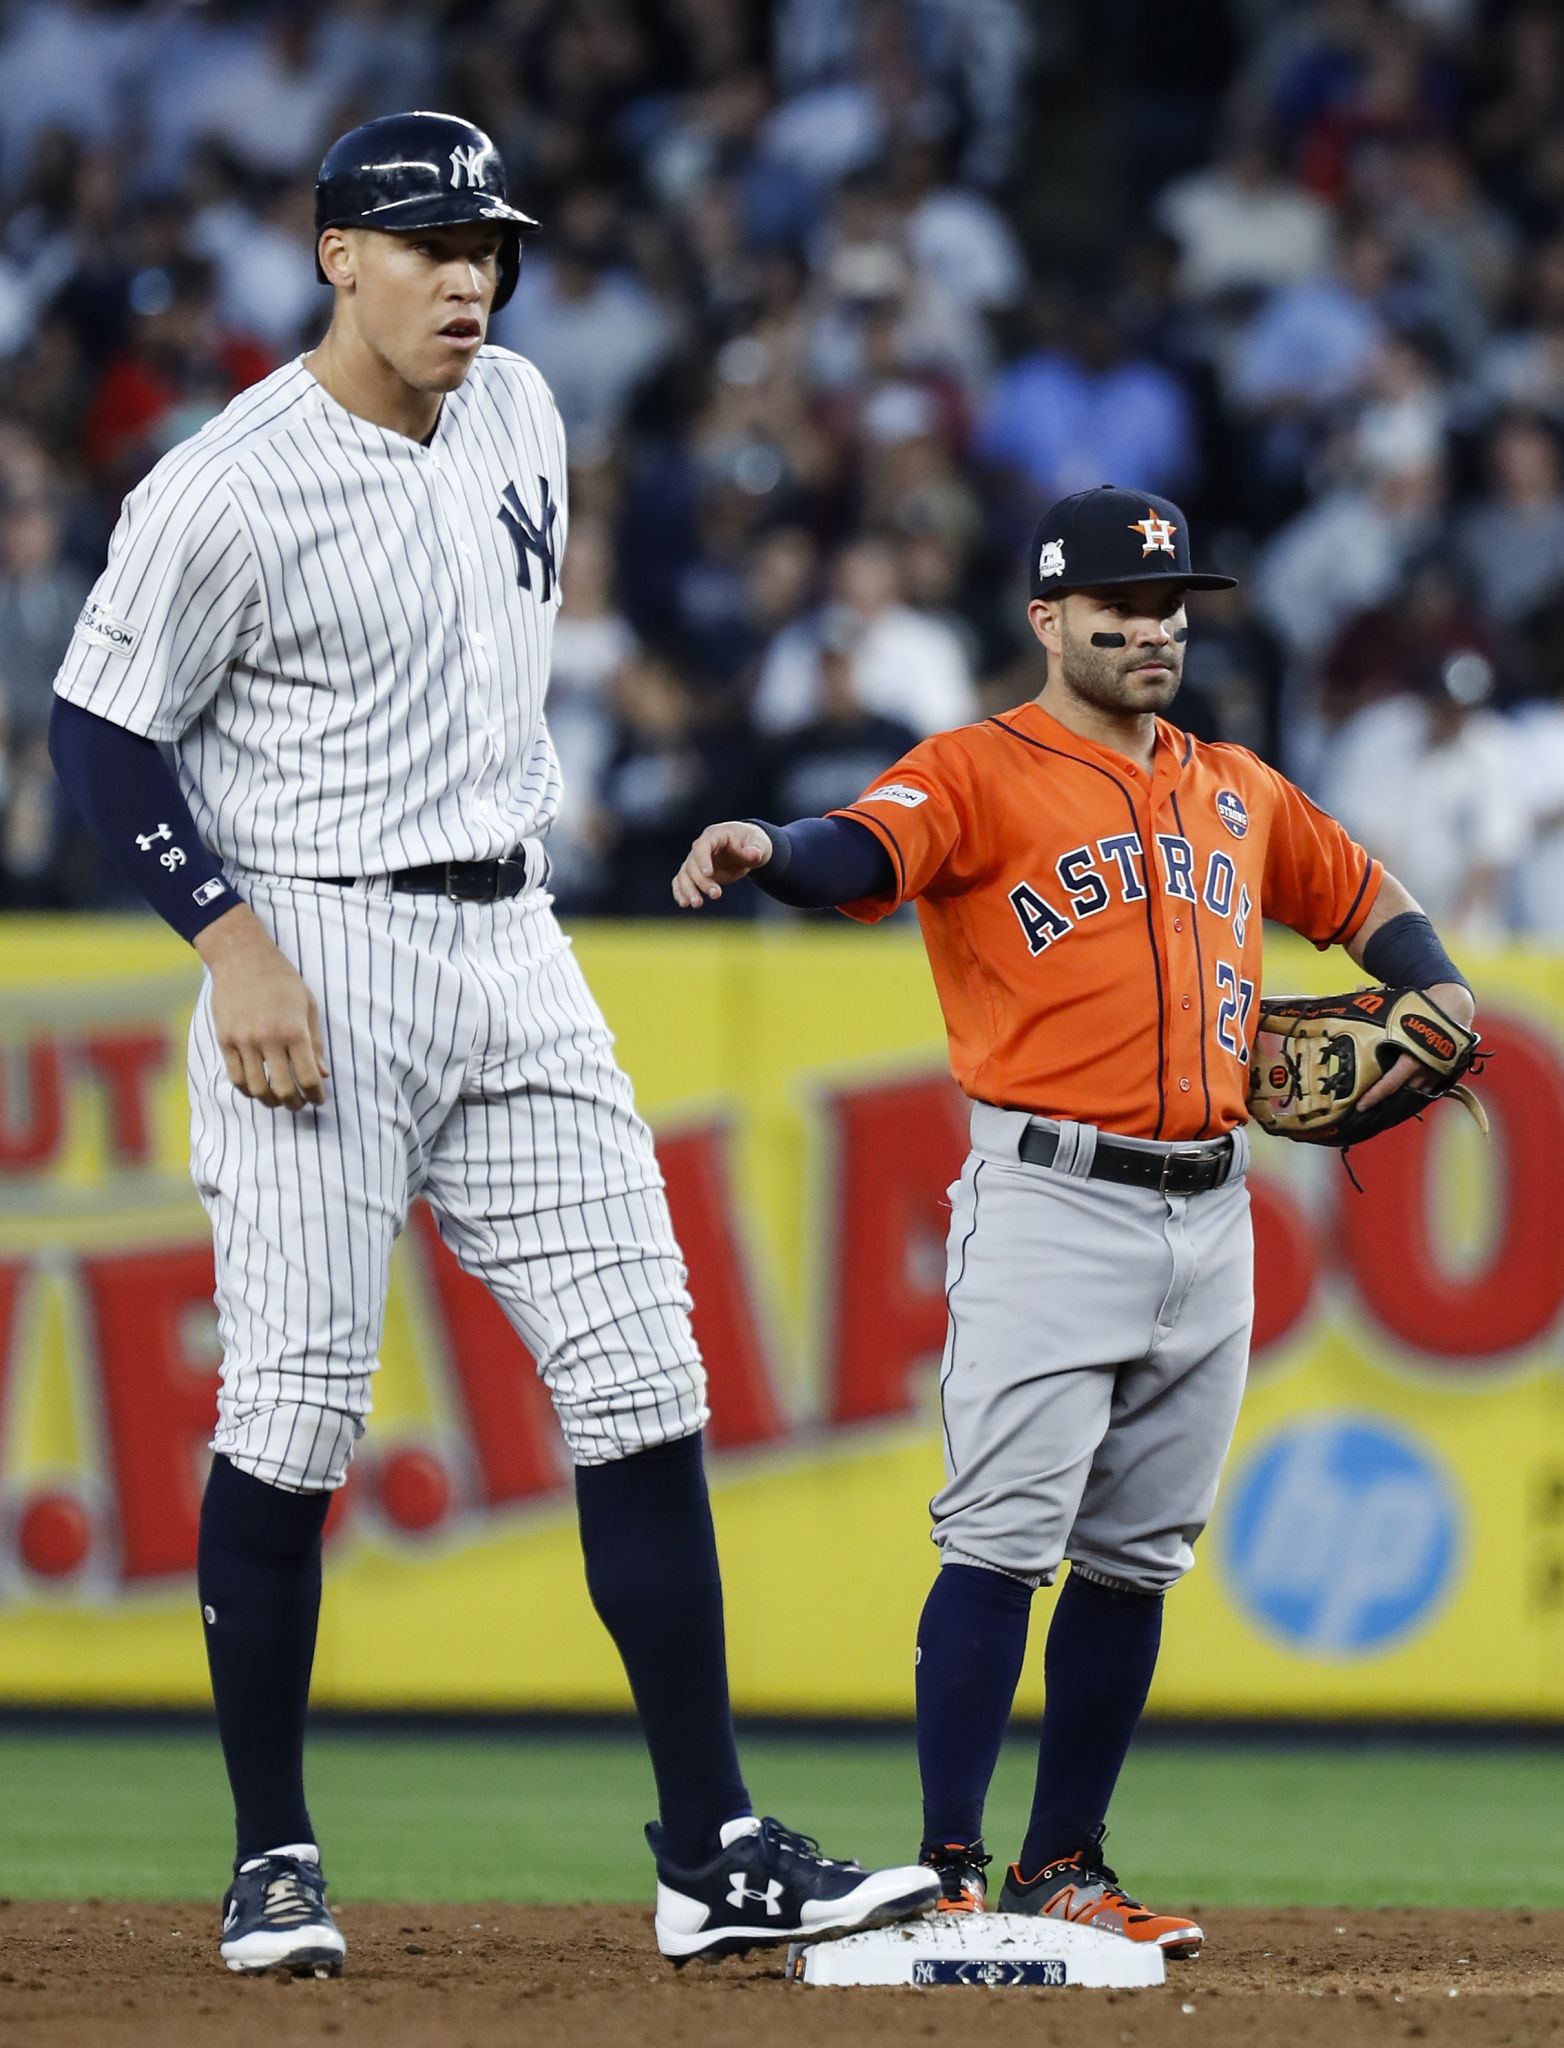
{"points": [[1315, 1057]]}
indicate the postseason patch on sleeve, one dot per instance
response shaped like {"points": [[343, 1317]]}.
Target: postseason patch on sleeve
{"points": [[105, 629], [897, 793]]}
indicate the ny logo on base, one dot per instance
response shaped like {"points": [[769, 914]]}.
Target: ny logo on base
{"points": [[467, 165], [532, 538], [769, 1898]]}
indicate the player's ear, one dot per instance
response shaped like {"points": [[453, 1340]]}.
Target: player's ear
{"points": [[336, 253], [1043, 614]]}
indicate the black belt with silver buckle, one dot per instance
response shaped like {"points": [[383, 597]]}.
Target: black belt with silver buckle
{"points": [[463, 881], [1182, 1170]]}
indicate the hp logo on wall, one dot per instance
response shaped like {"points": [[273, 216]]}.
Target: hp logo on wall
{"points": [[1343, 1535]]}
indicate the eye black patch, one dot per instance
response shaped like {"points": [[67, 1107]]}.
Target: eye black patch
{"points": [[1108, 640], [1181, 636]]}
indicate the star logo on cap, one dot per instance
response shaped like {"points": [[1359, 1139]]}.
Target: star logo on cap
{"points": [[1156, 534]]}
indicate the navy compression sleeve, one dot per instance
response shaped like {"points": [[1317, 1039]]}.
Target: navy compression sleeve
{"points": [[127, 793], [819, 862]]}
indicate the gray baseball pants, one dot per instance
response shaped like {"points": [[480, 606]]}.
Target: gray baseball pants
{"points": [[1094, 1361]]}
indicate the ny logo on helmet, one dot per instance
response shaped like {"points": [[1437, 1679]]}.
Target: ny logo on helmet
{"points": [[467, 164]]}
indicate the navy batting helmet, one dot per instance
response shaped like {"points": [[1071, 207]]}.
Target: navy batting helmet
{"points": [[408, 171]]}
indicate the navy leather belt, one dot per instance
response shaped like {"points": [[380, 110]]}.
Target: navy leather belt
{"points": [[464, 881], [1181, 1170]]}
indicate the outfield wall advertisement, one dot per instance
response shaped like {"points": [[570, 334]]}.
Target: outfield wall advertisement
{"points": [[1390, 1538]]}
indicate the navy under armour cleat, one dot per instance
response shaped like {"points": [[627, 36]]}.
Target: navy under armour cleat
{"points": [[275, 1917], [767, 1887]]}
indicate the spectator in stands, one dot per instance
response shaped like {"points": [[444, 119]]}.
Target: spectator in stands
{"points": [[1524, 365], [1424, 779], [179, 369], [831, 760], [955, 235], [1459, 245], [1350, 549], [1536, 899], [1513, 538], [41, 596], [71, 66], [1310, 346], [1078, 407], [588, 323], [905, 665], [672, 764], [592, 643], [1241, 224]]}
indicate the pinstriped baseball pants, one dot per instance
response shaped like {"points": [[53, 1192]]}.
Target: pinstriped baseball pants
{"points": [[469, 1064]]}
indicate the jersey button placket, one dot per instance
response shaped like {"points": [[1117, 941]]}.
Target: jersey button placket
{"points": [[471, 643]]}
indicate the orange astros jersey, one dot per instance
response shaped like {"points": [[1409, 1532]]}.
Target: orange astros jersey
{"points": [[1095, 931]]}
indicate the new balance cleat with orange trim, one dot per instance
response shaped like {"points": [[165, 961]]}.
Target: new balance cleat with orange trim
{"points": [[1082, 1888], [960, 1868]]}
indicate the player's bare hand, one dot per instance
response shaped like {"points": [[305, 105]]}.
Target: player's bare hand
{"points": [[723, 853], [1455, 999], [267, 1025]]}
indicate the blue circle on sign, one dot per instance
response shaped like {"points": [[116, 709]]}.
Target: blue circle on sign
{"points": [[1342, 1536]]}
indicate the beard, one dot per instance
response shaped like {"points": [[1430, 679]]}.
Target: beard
{"points": [[1104, 676]]}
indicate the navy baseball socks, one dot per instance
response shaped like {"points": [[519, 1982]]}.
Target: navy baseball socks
{"points": [[651, 1568], [1098, 1665], [258, 1578], [1102, 1651], [726, 1882], [971, 1646], [1097, 1670]]}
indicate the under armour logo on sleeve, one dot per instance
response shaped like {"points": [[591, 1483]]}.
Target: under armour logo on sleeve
{"points": [[147, 840], [532, 538]]}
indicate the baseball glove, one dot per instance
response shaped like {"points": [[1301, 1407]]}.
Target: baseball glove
{"points": [[1314, 1056]]}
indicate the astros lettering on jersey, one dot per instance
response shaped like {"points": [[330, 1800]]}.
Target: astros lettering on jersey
{"points": [[1022, 841]]}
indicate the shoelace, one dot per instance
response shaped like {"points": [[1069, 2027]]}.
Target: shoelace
{"points": [[285, 1895], [787, 1842]]}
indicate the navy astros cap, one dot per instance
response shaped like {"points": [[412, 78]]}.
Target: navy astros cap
{"points": [[1109, 535]]}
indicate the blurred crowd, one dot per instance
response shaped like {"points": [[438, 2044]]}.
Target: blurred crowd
{"points": [[834, 296]]}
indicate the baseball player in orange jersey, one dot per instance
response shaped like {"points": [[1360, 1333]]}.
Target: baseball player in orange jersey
{"points": [[1090, 882]]}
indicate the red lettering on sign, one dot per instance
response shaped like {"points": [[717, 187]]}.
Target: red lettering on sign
{"points": [[509, 1418], [1285, 1262], [159, 1398], [744, 1408], [32, 1106], [899, 1145], [1392, 1248], [128, 1063]]}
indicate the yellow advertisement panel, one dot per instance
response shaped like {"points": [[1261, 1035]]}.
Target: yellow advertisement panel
{"points": [[1390, 1538]]}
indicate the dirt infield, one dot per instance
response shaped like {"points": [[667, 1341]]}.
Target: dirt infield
{"points": [[102, 1975]]}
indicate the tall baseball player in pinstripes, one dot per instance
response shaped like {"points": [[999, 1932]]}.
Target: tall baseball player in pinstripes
{"points": [[336, 605]]}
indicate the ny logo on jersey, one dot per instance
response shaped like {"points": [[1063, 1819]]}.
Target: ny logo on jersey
{"points": [[532, 538], [467, 164], [1156, 534]]}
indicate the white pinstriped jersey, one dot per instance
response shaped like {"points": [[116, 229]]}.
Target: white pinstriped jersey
{"points": [[345, 633]]}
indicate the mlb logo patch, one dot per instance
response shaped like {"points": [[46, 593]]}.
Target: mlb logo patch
{"points": [[1230, 809], [1050, 560], [105, 629]]}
